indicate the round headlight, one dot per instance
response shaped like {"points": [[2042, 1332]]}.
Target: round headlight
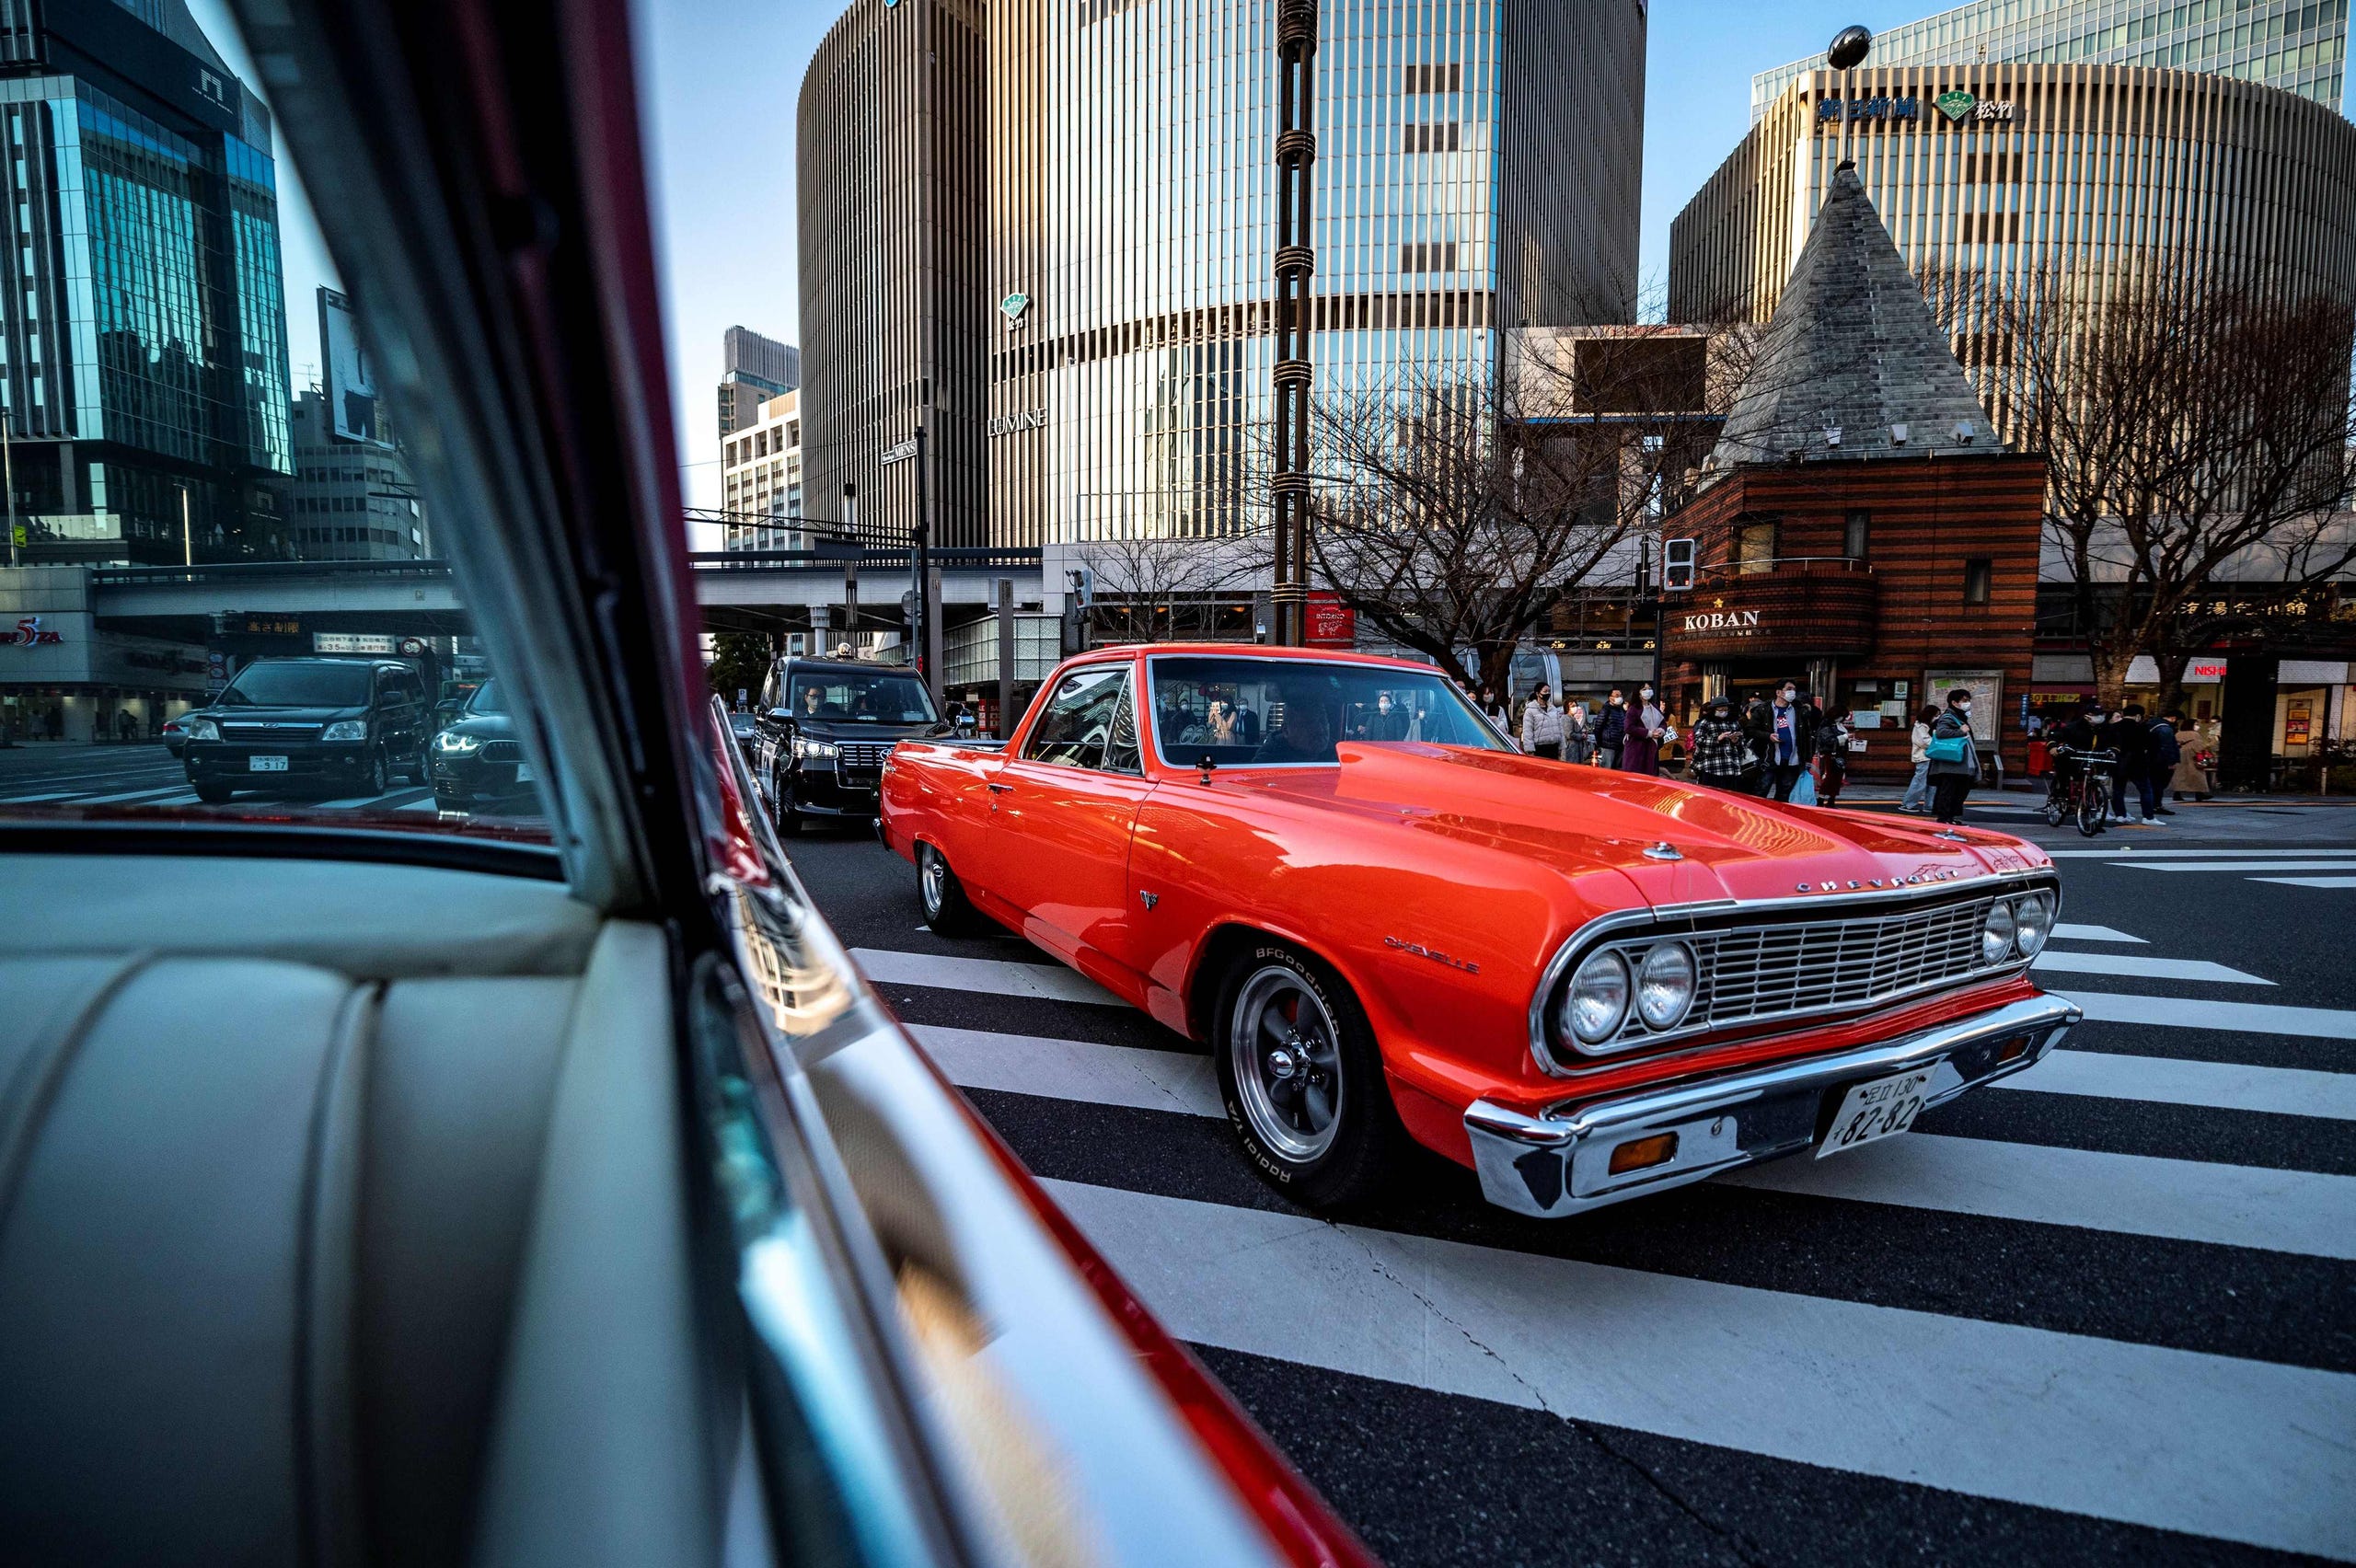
{"points": [[1996, 936], [1597, 998], [1665, 986], [2032, 922]]}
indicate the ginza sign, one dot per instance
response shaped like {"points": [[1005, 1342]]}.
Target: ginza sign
{"points": [[1955, 104], [1722, 620]]}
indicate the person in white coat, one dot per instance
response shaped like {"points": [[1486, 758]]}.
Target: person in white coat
{"points": [[1541, 724]]}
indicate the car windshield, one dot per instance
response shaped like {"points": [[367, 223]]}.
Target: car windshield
{"points": [[878, 697], [1268, 712], [486, 699], [269, 684]]}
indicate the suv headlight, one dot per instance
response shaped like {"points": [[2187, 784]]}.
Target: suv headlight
{"points": [[807, 748], [1665, 986], [2032, 922], [346, 730], [200, 729], [450, 742], [1996, 935], [1596, 1001]]}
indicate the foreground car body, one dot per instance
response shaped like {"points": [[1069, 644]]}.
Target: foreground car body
{"points": [[1585, 985]]}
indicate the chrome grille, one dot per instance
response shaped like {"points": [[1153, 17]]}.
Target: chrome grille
{"points": [[1753, 973], [255, 733], [866, 754]]}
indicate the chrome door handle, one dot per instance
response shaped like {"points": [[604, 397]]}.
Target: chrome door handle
{"points": [[1000, 789]]}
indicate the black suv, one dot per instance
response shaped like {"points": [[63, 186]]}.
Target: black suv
{"points": [[306, 725], [825, 729]]}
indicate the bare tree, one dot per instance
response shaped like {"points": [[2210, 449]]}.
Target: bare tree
{"points": [[1157, 589], [1460, 511], [2195, 434]]}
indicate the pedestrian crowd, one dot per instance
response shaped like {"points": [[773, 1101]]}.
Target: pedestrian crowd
{"points": [[2156, 758]]}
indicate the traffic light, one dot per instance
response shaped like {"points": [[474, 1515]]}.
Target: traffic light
{"points": [[1083, 585], [1677, 565]]}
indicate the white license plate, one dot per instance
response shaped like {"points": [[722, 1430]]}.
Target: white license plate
{"points": [[523, 773], [265, 764], [1877, 1110]]}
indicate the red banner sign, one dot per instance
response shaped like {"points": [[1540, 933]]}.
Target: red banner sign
{"points": [[1332, 624]]}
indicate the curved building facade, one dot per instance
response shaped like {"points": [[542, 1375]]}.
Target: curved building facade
{"points": [[889, 170], [1995, 174], [1477, 169]]}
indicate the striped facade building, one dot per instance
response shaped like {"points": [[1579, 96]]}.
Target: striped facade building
{"points": [[889, 169], [1989, 177], [1477, 168], [1860, 529]]}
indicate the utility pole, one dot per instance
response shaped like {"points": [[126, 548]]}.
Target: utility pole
{"points": [[919, 559], [188, 535], [1296, 263], [1004, 726], [851, 570], [1848, 51], [8, 463]]}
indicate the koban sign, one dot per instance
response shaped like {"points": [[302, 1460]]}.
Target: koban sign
{"points": [[1722, 620]]}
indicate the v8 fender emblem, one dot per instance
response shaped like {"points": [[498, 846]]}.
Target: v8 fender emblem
{"points": [[1150, 899]]}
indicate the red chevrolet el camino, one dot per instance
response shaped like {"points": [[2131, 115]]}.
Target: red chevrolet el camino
{"points": [[1387, 924]]}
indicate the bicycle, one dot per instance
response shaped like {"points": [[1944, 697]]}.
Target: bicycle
{"points": [[2080, 789]]}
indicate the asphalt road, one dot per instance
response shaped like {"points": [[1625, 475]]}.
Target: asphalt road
{"points": [[2107, 1316]]}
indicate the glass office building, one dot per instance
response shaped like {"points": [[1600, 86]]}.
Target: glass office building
{"points": [[144, 324], [2300, 46], [1477, 169], [894, 308]]}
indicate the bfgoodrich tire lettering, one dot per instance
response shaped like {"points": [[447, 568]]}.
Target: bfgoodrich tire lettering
{"points": [[1301, 1079]]}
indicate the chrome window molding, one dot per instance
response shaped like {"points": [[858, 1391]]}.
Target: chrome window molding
{"points": [[1644, 926]]}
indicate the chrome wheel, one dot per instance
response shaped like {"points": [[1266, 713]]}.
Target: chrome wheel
{"points": [[1285, 1054], [934, 879]]}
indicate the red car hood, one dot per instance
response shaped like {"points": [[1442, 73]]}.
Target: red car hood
{"points": [[1580, 820]]}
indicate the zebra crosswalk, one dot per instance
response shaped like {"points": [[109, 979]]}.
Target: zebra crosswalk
{"points": [[2109, 1310], [173, 790]]}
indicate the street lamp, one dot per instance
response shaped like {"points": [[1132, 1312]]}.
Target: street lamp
{"points": [[1848, 51]]}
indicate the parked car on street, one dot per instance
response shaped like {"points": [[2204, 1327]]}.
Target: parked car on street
{"points": [[824, 730], [477, 761], [285, 726], [175, 735], [1585, 985]]}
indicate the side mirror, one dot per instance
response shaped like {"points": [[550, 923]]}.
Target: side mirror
{"points": [[780, 716]]}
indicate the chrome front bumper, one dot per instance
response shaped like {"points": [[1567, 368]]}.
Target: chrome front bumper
{"points": [[1558, 1163]]}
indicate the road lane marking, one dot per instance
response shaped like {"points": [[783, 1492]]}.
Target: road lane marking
{"points": [[2224, 866], [2303, 1212], [132, 795], [2188, 1012], [2146, 968], [35, 800], [2233, 1206], [2065, 932], [1074, 1069], [2236, 852], [2165, 1080], [993, 976], [2028, 1416], [2308, 882]]}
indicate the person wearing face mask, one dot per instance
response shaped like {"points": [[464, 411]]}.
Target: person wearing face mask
{"points": [[1647, 728], [1611, 730], [1955, 758], [1791, 740], [1541, 724]]}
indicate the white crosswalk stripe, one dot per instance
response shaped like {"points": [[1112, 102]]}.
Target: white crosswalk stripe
{"points": [[2184, 867], [2145, 968], [2217, 1445], [1939, 1390], [2231, 1206], [2063, 931], [2308, 882]]}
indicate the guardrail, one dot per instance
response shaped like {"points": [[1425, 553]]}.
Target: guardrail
{"points": [[958, 559], [834, 558]]}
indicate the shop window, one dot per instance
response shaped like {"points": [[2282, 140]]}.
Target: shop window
{"points": [[1856, 535], [1979, 573]]}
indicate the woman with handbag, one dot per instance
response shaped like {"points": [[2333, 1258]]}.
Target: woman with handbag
{"points": [[2193, 761], [1648, 729], [1954, 759], [1832, 764]]}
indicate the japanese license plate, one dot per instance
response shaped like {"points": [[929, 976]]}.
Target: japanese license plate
{"points": [[1877, 1110], [265, 764], [523, 773]]}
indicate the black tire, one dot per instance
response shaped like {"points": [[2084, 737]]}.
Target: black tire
{"points": [[2093, 813], [788, 820], [419, 770], [212, 794], [379, 776], [1327, 1062], [946, 908]]}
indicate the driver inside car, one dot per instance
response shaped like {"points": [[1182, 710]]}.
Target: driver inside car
{"points": [[1307, 734]]}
